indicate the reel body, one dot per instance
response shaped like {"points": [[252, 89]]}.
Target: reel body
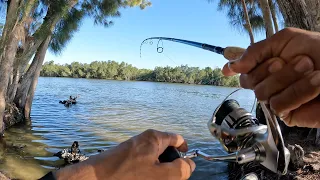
{"points": [[244, 138]]}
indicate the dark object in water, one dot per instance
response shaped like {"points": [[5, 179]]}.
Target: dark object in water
{"points": [[69, 102], [100, 150], [72, 155]]}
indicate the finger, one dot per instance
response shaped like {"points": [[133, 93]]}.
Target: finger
{"points": [[178, 169], [296, 95], [282, 79], [226, 71], [305, 116], [164, 139], [175, 140], [263, 50], [273, 65]]}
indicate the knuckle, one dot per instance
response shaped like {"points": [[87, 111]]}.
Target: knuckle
{"points": [[244, 81], [288, 30], [260, 94], [294, 91], [150, 132], [152, 136], [275, 105]]}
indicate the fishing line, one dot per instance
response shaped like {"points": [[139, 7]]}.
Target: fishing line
{"points": [[160, 48], [170, 59]]}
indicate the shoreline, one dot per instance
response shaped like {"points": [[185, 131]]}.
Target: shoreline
{"points": [[142, 81]]}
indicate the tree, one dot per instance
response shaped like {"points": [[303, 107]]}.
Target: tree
{"points": [[33, 26], [124, 71], [266, 11], [244, 15]]}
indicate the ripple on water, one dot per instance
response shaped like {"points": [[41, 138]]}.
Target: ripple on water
{"points": [[108, 113]]}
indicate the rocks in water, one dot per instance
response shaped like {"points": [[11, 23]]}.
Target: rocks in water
{"points": [[72, 155], [296, 156], [101, 150], [3, 177]]}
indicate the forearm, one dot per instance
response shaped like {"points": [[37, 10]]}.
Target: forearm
{"points": [[84, 170]]}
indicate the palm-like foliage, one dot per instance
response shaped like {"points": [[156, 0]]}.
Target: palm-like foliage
{"points": [[99, 10], [236, 15]]}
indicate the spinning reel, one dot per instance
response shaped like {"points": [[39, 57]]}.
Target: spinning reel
{"points": [[241, 134], [243, 137]]}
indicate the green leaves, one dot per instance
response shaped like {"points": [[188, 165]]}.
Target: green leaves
{"points": [[124, 71], [236, 15], [141, 3], [65, 29]]}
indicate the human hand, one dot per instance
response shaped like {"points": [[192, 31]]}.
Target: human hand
{"points": [[284, 71], [136, 158]]}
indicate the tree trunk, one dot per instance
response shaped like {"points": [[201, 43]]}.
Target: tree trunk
{"points": [[264, 5], [12, 88], [9, 46], [274, 15], [295, 13], [248, 25], [22, 91], [40, 55], [5, 67]]}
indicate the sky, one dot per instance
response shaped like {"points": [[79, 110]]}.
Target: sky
{"points": [[195, 20]]}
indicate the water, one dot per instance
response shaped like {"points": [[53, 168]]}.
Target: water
{"points": [[109, 112]]}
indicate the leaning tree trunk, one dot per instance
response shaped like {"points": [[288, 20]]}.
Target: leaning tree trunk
{"points": [[264, 5], [303, 14], [26, 89], [41, 53], [248, 24], [9, 45]]}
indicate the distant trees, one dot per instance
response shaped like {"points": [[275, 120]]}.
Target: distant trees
{"points": [[124, 71]]}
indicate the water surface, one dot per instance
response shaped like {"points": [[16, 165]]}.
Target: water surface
{"points": [[109, 112]]}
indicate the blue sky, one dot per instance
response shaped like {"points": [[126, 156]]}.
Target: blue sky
{"points": [[195, 20]]}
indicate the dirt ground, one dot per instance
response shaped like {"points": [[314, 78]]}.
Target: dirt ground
{"points": [[311, 168]]}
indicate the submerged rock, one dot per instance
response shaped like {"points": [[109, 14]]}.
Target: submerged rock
{"points": [[296, 156]]}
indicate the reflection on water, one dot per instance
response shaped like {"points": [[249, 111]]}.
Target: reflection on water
{"points": [[107, 113]]}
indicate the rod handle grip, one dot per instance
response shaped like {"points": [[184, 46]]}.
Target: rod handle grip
{"points": [[233, 53]]}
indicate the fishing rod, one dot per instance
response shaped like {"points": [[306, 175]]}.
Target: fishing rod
{"points": [[242, 135], [230, 52]]}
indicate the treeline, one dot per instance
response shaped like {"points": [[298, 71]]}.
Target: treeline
{"points": [[124, 71]]}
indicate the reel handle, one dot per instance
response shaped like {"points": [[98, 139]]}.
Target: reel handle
{"points": [[169, 155]]}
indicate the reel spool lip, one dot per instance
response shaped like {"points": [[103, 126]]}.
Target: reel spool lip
{"points": [[217, 130]]}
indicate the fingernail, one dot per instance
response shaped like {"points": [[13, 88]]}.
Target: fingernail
{"points": [[304, 65], [232, 63], [275, 66], [315, 80]]}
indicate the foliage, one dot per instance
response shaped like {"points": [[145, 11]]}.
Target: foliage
{"points": [[124, 71], [236, 16]]}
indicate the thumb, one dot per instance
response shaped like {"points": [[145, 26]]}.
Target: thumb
{"points": [[226, 71], [178, 169]]}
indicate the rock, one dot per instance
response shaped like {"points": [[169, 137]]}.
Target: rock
{"points": [[296, 155], [72, 155], [3, 177], [316, 167]]}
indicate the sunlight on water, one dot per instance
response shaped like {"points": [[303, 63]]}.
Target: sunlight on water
{"points": [[107, 113]]}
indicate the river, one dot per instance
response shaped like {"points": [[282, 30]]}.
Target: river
{"points": [[109, 112]]}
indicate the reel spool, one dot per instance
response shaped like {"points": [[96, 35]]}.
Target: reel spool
{"points": [[234, 126], [246, 140]]}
